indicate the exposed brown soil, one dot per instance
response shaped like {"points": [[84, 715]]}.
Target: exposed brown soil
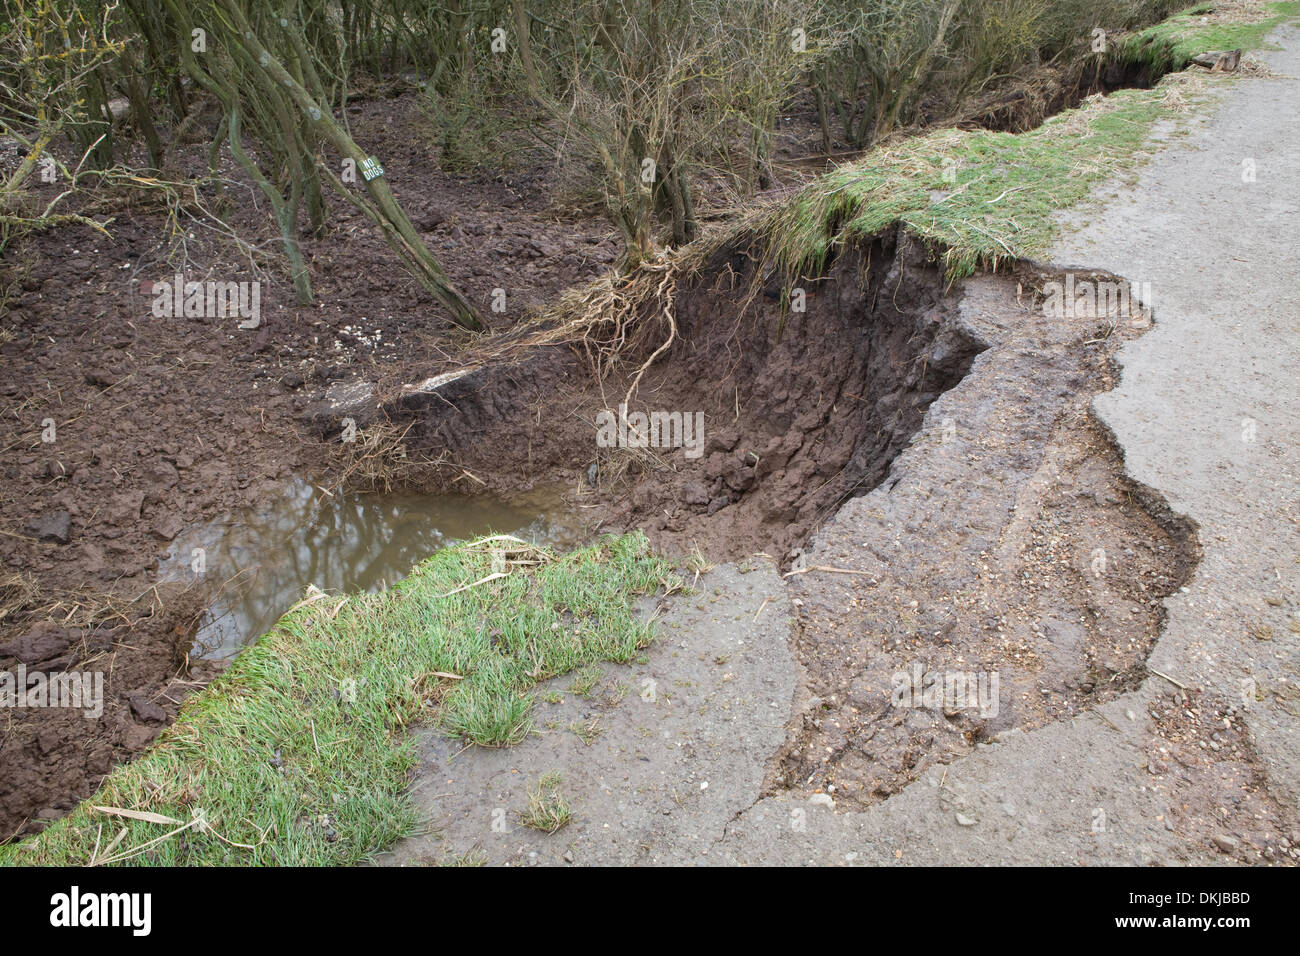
{"points": [[800, 410], [1024, 104]]}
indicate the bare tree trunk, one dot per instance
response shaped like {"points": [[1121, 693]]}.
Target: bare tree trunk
{"points": [[525, 48], [280, 95], [922, 65]]}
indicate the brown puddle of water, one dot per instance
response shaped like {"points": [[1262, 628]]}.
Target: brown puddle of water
{"points": [[263, 558]]}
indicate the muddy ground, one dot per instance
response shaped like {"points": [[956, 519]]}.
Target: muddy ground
{"points": [[164, 424]]}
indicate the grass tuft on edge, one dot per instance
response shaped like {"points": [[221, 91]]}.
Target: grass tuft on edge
{"points": [[1171, 44], [979, 196], [297, 755]]}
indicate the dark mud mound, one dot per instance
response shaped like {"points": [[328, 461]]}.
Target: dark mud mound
{"points": [[801, 410], [130, 685]]}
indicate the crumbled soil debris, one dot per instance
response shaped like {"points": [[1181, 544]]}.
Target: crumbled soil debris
{"points": [[1202, 755], [52, 755], [1063, 631]]}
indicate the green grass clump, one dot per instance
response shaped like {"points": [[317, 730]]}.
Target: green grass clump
{"points": [[981, 196], [1171, 44], [297, 756], [585, 681]]}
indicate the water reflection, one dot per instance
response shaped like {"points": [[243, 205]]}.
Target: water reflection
{"points": [[265, 556]]}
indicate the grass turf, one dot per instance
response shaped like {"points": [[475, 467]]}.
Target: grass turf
{"points": [[1171, 44], [297, 755]]}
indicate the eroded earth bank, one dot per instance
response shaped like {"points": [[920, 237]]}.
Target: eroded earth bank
{"points": [[971, 519]]}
